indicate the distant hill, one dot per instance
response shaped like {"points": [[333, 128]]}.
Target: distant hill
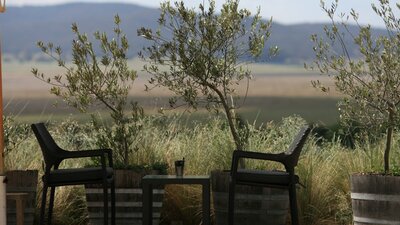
{"points": [[22, 27]]}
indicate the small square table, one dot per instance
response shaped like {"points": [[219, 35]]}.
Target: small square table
{"points": [[149, 180]]}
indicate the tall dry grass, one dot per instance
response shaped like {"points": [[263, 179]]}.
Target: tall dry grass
{"points": [[324, 167]]}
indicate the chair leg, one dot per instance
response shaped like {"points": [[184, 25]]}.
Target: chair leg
{"points": [[51, 204], [105, 199], [231, 203], [43, 206], [112, 203], [293, 205]]}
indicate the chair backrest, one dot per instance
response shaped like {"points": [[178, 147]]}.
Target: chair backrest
{"points": [[296, 146], [49, 148]]}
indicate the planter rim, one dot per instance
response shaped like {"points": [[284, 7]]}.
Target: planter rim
{"points": [[374, 174]]}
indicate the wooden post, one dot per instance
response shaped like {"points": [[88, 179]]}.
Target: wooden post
{"points": [[2, 6], [3, 208], [2, 167]]}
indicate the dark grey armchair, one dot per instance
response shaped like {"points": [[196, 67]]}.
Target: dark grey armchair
{"points": [[55, 176], [277, 179]]}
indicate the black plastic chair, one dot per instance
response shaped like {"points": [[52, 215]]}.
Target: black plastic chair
{"points": [[276, 179], [54, 177]]}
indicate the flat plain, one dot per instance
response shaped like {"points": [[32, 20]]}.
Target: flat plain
{"points": [[275, 91]]}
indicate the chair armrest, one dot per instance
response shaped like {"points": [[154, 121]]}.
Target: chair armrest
{"points": [[85, 153], [277, 157], [239, 154], [89, 153]]}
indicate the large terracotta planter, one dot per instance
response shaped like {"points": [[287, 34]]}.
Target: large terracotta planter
{"points": [[375, 199], [128, 196], [253, 205], [24, 181]]}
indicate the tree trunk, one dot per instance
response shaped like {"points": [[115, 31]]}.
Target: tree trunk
{"points": [[231, 121], [230, 117], [389, 136]]}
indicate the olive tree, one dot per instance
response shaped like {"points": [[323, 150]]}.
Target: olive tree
{"points": [[202, 55], [98, 77], [370, 80]]}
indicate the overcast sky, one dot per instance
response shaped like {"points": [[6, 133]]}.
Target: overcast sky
{"points": [[283, 11]]}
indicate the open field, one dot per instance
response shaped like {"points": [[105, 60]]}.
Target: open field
{"points": [[274, 92]]}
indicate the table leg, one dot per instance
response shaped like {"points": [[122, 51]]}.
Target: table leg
{"points": [[147, 204], [206, 203]]}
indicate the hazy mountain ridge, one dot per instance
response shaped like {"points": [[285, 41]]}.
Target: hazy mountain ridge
{"points": [[22, 27]]}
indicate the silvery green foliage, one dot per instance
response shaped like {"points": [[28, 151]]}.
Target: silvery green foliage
{"points": [[371, 81], [15, 133], [201, 55], [98, 78]]}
